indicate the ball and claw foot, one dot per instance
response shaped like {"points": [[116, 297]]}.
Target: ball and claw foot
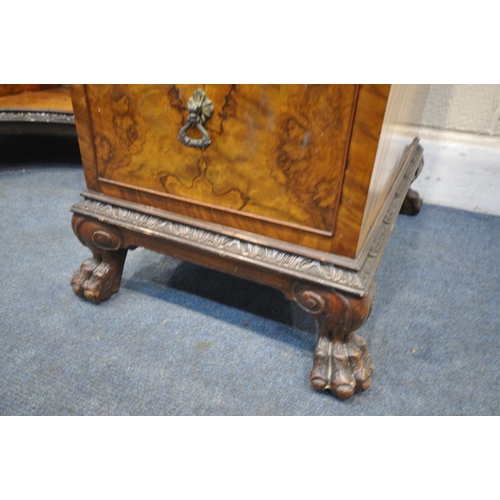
{"points": [[343, 368]]}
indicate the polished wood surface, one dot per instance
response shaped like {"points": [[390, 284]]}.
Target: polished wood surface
{"points": [[370, 112], [289, 162], [36, 110], [44, 100], [277, 151], [19, 88]]}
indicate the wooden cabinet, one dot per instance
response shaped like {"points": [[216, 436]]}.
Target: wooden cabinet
{"points": [[294, 186]]}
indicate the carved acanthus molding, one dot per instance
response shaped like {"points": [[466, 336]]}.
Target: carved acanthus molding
{"points": [[301, 267], [37, 117]]}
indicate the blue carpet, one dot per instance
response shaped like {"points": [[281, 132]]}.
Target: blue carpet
{"points": [[182, 340]]}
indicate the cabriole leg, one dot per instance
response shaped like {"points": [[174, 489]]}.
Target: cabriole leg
{"points": [[342, 363], [100, 276]]}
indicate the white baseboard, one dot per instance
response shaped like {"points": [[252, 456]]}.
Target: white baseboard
{"points": [[461, 171]]}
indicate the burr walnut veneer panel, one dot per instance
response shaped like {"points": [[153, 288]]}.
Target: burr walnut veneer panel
{"points": [[285, 160]]}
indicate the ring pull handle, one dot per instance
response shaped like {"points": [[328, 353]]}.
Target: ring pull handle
{"points": [[200, 109]]}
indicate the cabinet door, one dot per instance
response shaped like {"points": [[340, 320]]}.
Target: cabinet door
{"points": [[275, 165]]}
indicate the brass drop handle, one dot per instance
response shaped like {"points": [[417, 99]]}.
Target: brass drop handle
{"points": [[200, 109]]}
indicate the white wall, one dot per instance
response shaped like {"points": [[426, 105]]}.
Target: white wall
{"points": [[467, 108], [460, 133]]}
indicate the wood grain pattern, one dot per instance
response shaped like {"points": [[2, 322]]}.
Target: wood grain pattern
{"points": [[275, 166], [362, 151], [19, 88], [44, 100], [277, 150]]}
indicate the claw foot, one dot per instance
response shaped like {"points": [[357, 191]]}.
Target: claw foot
{"points": [[96, 281], [82, 275], [343, 368], [341, 362]]}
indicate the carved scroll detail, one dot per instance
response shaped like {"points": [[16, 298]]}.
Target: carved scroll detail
{"points": [[100, 276], [92, 233], [106, 240], [309, 300]]}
